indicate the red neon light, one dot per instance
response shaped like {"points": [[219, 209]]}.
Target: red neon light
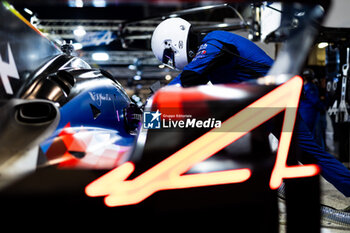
{"points": [[168, 173]]}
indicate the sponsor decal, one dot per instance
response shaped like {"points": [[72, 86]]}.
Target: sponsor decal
{"points": [[201, 52], [97, 38], [8, 70], [203, 46], [98, 98]]}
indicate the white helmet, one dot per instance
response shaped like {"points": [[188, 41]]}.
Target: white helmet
{"points": [[169, 42]]}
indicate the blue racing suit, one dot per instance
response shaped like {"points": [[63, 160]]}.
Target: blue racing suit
{"points": [[311, 108], [224, 57]]}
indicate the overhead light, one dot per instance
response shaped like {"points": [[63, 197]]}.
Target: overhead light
{"points": [[100, 56], [168, 77], [222, 25], [75, 3], [79, 31], [79, 3], [322, 45], [99, 3], [132, 67], [77, 46], [28, 11], [137, 77]]}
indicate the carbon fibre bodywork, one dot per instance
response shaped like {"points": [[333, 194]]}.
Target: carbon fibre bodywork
{"points": [[54, 106]]}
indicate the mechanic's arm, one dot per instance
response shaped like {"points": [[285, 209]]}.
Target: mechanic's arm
{"points": [[176, 80], [209, 57]]}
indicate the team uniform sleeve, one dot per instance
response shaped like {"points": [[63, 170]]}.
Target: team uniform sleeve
{"points": [[175, 81], [208, 57]]}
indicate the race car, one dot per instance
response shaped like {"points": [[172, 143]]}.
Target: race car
{"points": [[56, 109], [69, 115]]}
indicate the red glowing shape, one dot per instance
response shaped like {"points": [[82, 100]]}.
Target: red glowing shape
{"points": [[168, 174]]}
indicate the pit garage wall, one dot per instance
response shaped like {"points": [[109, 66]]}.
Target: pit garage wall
{"points": [[339, 18]]}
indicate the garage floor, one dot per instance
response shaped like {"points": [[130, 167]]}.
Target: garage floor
{"points": [[331, 197]]}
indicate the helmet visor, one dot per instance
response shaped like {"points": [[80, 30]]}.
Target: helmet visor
{"points": [[169, 58]]}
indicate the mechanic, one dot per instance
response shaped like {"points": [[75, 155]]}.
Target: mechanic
{"points": [[312, 108], [224, 57]]}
